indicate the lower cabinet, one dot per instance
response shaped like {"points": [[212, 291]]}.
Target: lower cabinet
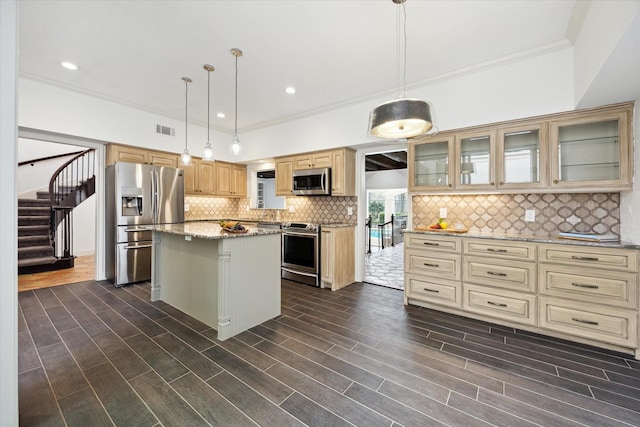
{"points": [[585, 293], [337, 259]]}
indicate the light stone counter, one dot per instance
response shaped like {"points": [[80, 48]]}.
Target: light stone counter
{"points": [[230, 282], [536, 238]]}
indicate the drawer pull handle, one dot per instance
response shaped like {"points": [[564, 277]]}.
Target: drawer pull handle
{"points": [[583, 285], [431, 265], [431, 244], [584, 258], [496, 304], [497, 250], [588, 322], [435, 291], [495, 273]]}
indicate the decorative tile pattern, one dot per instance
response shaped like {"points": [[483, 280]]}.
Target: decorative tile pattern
{"points": [[309, 209], [504, 213]]}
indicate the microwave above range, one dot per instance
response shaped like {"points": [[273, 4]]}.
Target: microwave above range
{"points": [[312, 182]]}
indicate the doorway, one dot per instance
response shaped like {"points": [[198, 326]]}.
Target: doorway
{"points": [[387, 210], [87, 244]]}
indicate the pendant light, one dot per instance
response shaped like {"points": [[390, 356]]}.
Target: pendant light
{"points": [[236, 148], [402, 117], [207, 153], [186, 157]]}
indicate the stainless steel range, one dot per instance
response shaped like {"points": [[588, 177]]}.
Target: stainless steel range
{"points": [[301, 252]]}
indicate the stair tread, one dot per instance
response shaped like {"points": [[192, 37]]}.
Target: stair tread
{"points": [[37, 261], [35, 248]]}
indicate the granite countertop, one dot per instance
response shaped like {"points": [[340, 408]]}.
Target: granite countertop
{"points": [[208, 230], [537, 238]]}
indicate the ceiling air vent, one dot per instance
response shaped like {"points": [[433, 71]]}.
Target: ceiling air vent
{"points": [[165, 130]]}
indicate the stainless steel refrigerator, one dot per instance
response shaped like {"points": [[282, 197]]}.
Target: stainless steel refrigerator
{"points": [[138, 195]]}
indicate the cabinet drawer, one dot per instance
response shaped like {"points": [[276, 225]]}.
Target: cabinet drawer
{"points": [[611, 325], [516, 275], [443, 292], [518, 250], [440, 243], [589, 256], [433, 264], [513, 306], [591, 285]]}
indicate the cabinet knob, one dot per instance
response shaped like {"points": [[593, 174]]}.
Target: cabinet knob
{"points": [[501, 183], [492, 183], [555, 181], [450, 185]]}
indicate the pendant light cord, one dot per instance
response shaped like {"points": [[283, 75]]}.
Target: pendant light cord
{"points": [[236, 115], [186, 115], [401, 50], [208, 101]]}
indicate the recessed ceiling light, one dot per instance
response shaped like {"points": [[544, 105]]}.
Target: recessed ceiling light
{"points": [[290, 90], [69, 66], [221, 115]]}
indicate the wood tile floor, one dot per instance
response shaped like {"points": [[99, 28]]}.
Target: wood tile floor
{"points": [[91, 354]]}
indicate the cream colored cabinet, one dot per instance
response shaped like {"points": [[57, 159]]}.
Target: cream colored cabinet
{"points": [[337, 259], [590, 292], [499, 279], [231, 179], [430, 165], [577, 151], [129, 154], [592, 151], [199, 177], [584, 293], [321, 159], [284, 176], [432, 270], [343, 172]]}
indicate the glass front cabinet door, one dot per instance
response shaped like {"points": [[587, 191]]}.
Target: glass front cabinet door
{"points": [[475, 164], [431, 165], [522, 157], [591, 152]]}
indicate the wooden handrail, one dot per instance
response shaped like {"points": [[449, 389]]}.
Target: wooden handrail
{"points": [[40, 159]]}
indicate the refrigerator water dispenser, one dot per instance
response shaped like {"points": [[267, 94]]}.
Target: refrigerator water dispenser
{"points": [[131, 205]]}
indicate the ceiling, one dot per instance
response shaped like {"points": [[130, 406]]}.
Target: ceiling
{"points": [[334, 52]]}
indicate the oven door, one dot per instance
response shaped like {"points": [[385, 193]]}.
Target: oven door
{"points": [[300, 257]]}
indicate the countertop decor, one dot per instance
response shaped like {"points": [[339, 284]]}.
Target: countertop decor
{"points": [[209, 230]]}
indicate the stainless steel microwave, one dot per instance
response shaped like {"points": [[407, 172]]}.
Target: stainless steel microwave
{"points": [[312, 182]]}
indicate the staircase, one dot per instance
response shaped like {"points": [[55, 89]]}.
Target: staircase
{"points": [[45, 224]]}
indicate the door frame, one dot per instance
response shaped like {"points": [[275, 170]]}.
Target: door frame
{"points": [[361, 192]]}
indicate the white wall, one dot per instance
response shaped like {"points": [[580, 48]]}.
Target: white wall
{"points": [[8, 214], [391, 179], [601, 31], [630, 200]]}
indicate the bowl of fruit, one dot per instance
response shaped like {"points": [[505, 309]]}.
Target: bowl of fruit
{"points": [[233, 227]]}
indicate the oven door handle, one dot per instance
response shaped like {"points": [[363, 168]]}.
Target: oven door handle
{"points": [[299, 272], [289, 233]]}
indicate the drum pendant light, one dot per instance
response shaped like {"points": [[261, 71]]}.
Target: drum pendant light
{"points": [[207, 153], [402, 117], [185, 158], [236, 148]]}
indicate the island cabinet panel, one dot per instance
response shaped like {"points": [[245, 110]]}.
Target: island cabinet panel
{"points": [[230, 283], [578, 291]]}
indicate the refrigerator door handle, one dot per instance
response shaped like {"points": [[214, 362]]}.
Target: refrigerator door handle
{"points": [[138, 246], [154, 196]]}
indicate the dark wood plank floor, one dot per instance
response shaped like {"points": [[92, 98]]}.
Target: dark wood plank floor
{"points": [[91, 354]]}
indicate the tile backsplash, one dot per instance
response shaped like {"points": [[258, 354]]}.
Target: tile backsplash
{"points": [[310, 209], [504, 213]]}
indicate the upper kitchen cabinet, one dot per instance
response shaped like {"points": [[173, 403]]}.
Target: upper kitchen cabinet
{"points": [[522, 157], [592, 151], [284, 176], [430, 165], [475, 167], [343, 172], [577, 151], [231, 179], [321, 159], [129, 154], [199, 177]]}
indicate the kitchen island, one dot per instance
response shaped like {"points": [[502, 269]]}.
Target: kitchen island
{"points": [[229, 281]]}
